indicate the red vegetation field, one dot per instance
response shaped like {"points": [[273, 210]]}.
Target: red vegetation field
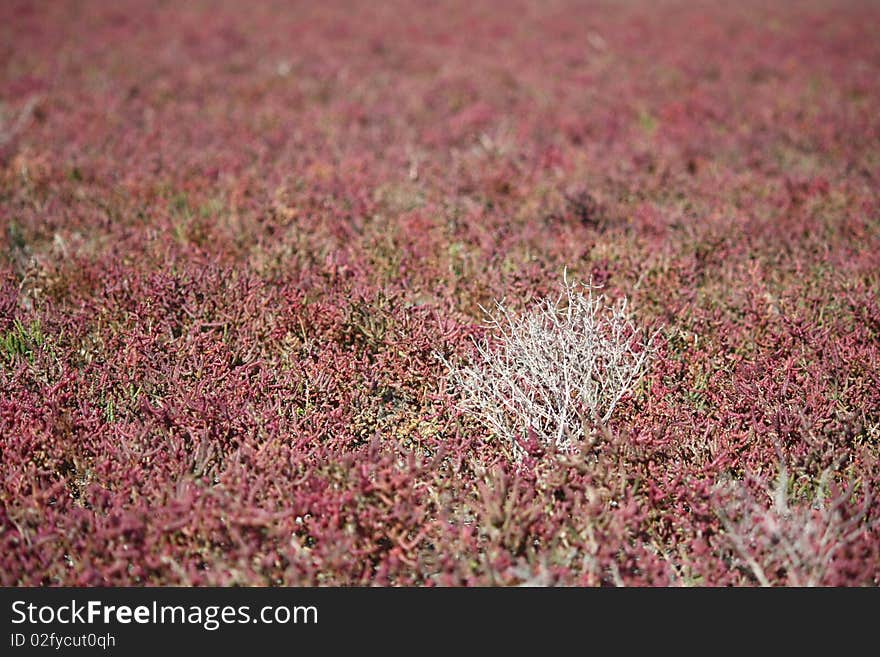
{"points": [[239, 239]]}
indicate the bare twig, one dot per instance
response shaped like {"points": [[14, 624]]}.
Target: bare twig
{"points": [[554, 372]]}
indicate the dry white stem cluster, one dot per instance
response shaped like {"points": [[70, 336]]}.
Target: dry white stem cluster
{"points": [[797, 541], [555, 372]]}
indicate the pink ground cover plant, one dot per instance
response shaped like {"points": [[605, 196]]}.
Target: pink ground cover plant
{"points": [[239, 244]]}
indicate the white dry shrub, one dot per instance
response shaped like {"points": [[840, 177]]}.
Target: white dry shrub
{"points": [[789, 542], [554, 372]]}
